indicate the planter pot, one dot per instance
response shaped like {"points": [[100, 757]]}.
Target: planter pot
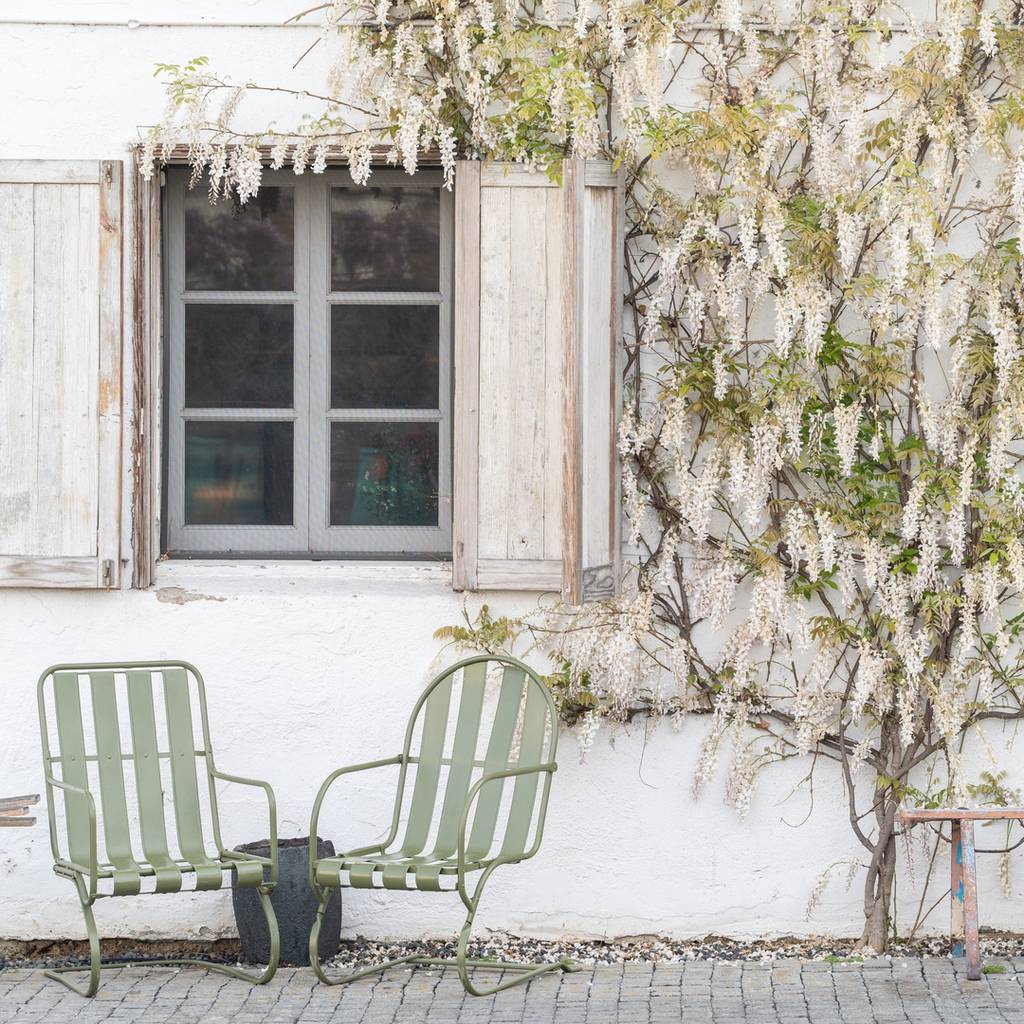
{"points": [[294, 903]]}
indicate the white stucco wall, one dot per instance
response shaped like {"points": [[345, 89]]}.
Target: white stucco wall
{"points": [[310, 667]]}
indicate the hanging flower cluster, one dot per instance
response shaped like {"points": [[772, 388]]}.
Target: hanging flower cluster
{"points": [[822, 446]]}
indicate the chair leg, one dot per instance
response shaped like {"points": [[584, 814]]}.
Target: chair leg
{"points": [[96, 964], [523, 972], [460, 961], [314, 951], [970, 867], [57, 973]]}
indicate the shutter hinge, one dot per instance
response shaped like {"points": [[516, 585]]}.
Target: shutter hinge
{"points": [[108, 573], [108, 173]]}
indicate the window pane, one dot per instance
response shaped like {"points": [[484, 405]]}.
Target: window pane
{"points": [[230, 247], [384, 357], [238, 357], [238, 474], [384, 474], [385, 239]]}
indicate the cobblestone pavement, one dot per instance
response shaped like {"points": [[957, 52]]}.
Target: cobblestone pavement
{"points": [[929, 991]]}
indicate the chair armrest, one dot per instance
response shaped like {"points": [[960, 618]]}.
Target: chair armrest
{"points": [[314, 819], [91, 869], [272, 816], [474, 792]]}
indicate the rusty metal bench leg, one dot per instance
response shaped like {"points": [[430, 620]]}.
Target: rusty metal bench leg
{"points": [[970, 878], [956, 889]]}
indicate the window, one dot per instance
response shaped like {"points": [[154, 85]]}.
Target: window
{"points": [[308, 367]]}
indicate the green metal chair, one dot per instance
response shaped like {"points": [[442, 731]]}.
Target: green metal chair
{"points": [[95, 744], [459, 820]]}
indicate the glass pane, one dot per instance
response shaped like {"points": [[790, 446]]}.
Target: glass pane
{"points": [[230, 247], [384, 357], [385, 239], [238, 474], [238, 357], [384, 474]]}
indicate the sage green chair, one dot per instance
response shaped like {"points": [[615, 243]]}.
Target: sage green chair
{"points": [[473, 782], [111, 772]]}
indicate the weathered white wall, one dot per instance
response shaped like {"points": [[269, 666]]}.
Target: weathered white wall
{"points": [[309, 667]]}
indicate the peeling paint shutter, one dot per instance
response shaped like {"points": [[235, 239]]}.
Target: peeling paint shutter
{"points": [[537, 307], [60, 372]]}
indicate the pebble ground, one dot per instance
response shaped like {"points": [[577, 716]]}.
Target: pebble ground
{"points": [[911, 989]]}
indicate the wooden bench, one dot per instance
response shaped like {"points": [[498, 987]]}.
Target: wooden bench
{"points": [[963, 876], [14, 810]]}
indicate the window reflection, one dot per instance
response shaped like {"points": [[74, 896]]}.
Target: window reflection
{"points": [[384, 474], [238, 474], [385, 239], [231, 247], [384, 357], [238, 356]]}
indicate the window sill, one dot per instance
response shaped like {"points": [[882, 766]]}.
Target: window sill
{"points": [[262, 574]]}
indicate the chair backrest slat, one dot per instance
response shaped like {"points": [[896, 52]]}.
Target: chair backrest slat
{"points": [[110, 764], [460, 771], [147, 766], [428, 771], [499, 744], [73, 767], [524, 795], [188, 816]]}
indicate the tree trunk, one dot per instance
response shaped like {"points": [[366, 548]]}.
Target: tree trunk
{"points": [[878, 890]]}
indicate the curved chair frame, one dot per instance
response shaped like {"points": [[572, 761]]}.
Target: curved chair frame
{"points": [[523, 972], [86, 874]]}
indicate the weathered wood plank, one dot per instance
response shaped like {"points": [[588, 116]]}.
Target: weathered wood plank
{"points": [[108, 396], [511, 175], [524, 386], [495, 438], [514, 574], [17, 433], [572, 319], [467, 374], [47, 573], [77, 363], [960, 813], [18, 804], [47, 381], [553, 391], [49, 172], [600, 174], [596, 369]]}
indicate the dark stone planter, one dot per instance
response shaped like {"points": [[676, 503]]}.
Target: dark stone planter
{"points": [[294, 903]]}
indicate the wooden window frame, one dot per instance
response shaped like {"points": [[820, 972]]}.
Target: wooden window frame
{"points": [[146, 279]]}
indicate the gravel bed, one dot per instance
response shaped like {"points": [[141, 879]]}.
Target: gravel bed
{"points": [[654, 949], [639, 949]]}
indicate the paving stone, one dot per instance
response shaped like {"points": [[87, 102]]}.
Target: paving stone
{"points": [[878, 991]]}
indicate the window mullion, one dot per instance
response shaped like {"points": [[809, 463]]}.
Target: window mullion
{"points": [[318, 362]]}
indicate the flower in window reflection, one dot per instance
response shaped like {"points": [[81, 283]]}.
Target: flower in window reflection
{"points": [[396, 479]]}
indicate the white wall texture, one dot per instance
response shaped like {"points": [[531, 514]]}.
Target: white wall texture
{"points": [[311, 667]]}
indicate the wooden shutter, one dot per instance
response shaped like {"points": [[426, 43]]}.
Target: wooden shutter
{"points": [[537, 311], [60, 372]]}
